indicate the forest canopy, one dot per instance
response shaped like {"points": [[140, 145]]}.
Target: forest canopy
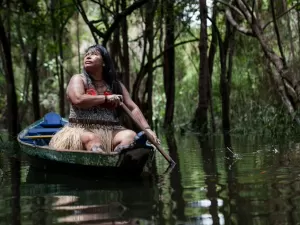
{"points": [[209, 66]]}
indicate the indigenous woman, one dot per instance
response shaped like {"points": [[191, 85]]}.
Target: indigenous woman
{"points": [[94, 123]]}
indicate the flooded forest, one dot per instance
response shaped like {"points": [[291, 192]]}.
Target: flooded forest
{"points": [[218, 80]]}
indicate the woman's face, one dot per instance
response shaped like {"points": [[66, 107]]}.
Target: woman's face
{"points": [[92, 60]]}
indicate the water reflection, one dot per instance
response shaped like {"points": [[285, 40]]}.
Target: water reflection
{"points": [[71, 199], [230, 168], [15, 168], [211, 182], [175, 180], [216, 181]]}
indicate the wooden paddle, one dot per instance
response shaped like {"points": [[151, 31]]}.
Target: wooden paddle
{"points": [[149, 136]]}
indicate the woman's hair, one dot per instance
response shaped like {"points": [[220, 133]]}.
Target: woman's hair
{"points": [[109, 73]]}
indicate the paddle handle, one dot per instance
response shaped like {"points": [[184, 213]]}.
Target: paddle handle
{"points": [[149, 136]]}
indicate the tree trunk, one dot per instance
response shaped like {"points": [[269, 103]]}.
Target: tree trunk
{"points": [[224, 47], [276, 29], [150, 12], [12, 104], [281, 75], [140, 75], [115, 46], [125, 61], [35, 85], [200, 118], [31, 63], [226, 74], [143, 70], [55, 39], [78, 42], [61, 82], [61, 78], [298, 25], [211, 59], [169, 63]]}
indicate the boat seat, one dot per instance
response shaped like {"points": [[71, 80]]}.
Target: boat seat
{"points": [[52, 120], [42, 131]]}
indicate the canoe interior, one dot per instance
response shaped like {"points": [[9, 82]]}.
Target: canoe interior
{"points": [[34, 142], [40, 132]]}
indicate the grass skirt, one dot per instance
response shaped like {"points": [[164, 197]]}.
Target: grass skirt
{"points": [[69, 137]]}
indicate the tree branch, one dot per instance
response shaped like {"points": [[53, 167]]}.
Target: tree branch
{"points": [[277, 33], [119, 18], [232, 21], [249, 15], [103, 6], [93, 29], [96, 21], [231, 6], [281, 15]]}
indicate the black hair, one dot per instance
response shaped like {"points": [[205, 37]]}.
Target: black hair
{"points": [[109, 72]]}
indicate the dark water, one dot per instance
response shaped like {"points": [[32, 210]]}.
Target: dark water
{"points": [[255, 181]]}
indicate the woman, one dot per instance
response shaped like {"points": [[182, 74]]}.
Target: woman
{"points": [[94, 122]]}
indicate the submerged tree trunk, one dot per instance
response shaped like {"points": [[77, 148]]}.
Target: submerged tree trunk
{"points": [[150, 10], [12, 104], [226, 81], [200, 118], [226, 56], [211, 59], [169, 63]]}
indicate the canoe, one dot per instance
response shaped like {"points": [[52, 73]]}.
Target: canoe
{"points": [[34, 142]]}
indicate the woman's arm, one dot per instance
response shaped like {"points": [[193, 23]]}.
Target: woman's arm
{"points": [[77, 96], [137, 112]]}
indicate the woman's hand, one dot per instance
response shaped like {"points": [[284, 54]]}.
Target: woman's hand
{"points": [[114, 100], [153, 134]]}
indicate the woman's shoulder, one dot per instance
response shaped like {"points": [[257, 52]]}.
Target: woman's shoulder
{"points": [[76, 76], [79, 77]]}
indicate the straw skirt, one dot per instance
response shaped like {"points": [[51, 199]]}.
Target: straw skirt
{"points": [[69, 137]]}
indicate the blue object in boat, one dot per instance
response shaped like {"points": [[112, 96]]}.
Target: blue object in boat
{"points": [[52, 120], [141, 140]]}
